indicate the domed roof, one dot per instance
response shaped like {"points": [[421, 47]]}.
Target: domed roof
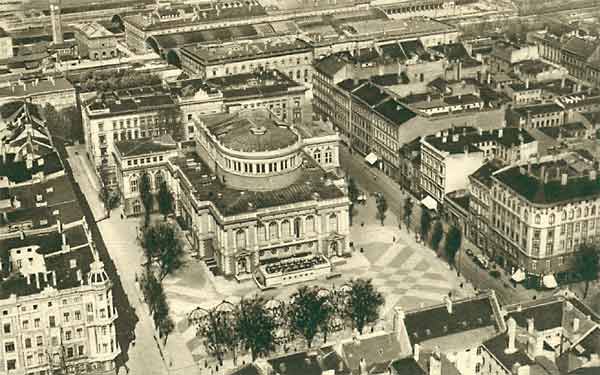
{"points": [[97, 274]]}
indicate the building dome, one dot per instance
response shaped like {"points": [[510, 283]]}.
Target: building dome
{"points": [[97, 274]]}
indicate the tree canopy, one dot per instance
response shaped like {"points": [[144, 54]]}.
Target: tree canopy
{"points": [[146, 195], [425, 222], [165, 199], [382, 207], [363, 303], [255, 326], [453, 241], [163, 247], [308, 312], [437, 235], [407, 211], [586, 262]]}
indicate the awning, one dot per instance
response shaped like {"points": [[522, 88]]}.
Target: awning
{"points": [[371, 158], [430, 203], [519, 276], [549, 282]]}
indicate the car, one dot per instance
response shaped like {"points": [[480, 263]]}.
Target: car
{"points": [[469, 252]]}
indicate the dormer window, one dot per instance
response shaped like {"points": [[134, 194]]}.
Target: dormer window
{"points": [[39, 198], [73, 263]]}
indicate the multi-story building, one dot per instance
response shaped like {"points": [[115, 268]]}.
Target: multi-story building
{"points": [[6, 45], [56, 299], [95, 41], [466, 149], [257, 204], [577, 54], [536, 116], [410, 166], [292, 58], [123, 115], [542, 212], [262, 88], [56, 91], [134, 158]]}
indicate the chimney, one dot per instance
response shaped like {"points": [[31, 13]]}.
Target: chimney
{"points": [[466, 150], [562, 83], [531, 326], [28, 279], [529, 167], [362, 367], [564, 178], [593, 175], [575, 324], [428, 98], [449, 305], [489, 78], [455, 137], [512, 335], [444, 139], [416, 352], [435, 363], [54, 278]]}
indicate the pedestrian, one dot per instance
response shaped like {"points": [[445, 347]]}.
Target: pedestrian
{"points": [[121, 216], [461, 285], [394, 239]]}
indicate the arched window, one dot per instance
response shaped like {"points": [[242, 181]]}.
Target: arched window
{"points": [[586, 212], [310, 224], [262, 232], [571, 213], [285, 229], [333, 223], [578, 212], [297, 227], [240, 239], [526, 215], [564, 215], [552, 218], [158, 178], [273, 230], [538, 219]]}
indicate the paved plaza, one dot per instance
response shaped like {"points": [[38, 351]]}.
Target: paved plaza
{"points": [[408, 274]]}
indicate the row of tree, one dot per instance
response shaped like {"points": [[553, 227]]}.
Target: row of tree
{"points": [[65, 124], [255, 324], [114, 80]]}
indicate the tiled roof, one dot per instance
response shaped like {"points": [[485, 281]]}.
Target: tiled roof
{"points": [[436, 321], [378, 351]]}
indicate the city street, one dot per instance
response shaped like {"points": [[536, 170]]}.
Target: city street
{"points": [[120, 239]]}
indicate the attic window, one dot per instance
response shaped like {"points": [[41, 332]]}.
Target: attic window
{"points": [[73, 263]]}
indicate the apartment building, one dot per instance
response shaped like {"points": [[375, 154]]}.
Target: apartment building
{"points": [[541, 212], [95, 41], [466, 149]]}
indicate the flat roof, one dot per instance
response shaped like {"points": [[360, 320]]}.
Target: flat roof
{"points": [[247, 51], [144, 146], [261, 83], [38, 86]]}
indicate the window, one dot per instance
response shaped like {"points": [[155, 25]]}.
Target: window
{"points": [[134, 184], [317, 155], [70, 352], [538, 219], [79, 333], [27, 343], [9, 347], [66, 317], [551, 219], [25, 324], [80, 350], [68, 335], [52, 321], [333, 223], [77, 315], [273, 230], [7, 328], [90, 307], [11, 364], [39, 341]]}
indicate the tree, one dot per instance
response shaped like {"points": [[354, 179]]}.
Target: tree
{"points": [[163, 248], [151, 289], [437, 235], [425, 223], [382, 207], [75, 128], [407, 212], [165, 200], [586, 263], [308, 312], [146, 195], [363, 303], [453, 241], [255, 326], [171, 120], [218, 330], [155, 297], [353, 194]]}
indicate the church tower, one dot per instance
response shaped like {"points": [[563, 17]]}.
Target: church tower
{"points": [[57, 34]]}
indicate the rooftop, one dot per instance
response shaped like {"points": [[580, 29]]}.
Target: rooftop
{"points": [[261, 83], [497, 346], [314, 128], [144, 146], [129, 100], [537, 109], [36, 86], [249, 51], [578, 183], [467, 314], [312, 185], [92, 30], [250, 131], [466, 138], [382, 102]]}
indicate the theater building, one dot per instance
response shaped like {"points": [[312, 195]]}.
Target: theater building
{"points": [[254, 197]]}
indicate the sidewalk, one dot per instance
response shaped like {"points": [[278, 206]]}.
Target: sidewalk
{"points": [[119, 236]]}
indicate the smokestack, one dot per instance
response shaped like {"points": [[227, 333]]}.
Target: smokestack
{"points": [[512, 335]]}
